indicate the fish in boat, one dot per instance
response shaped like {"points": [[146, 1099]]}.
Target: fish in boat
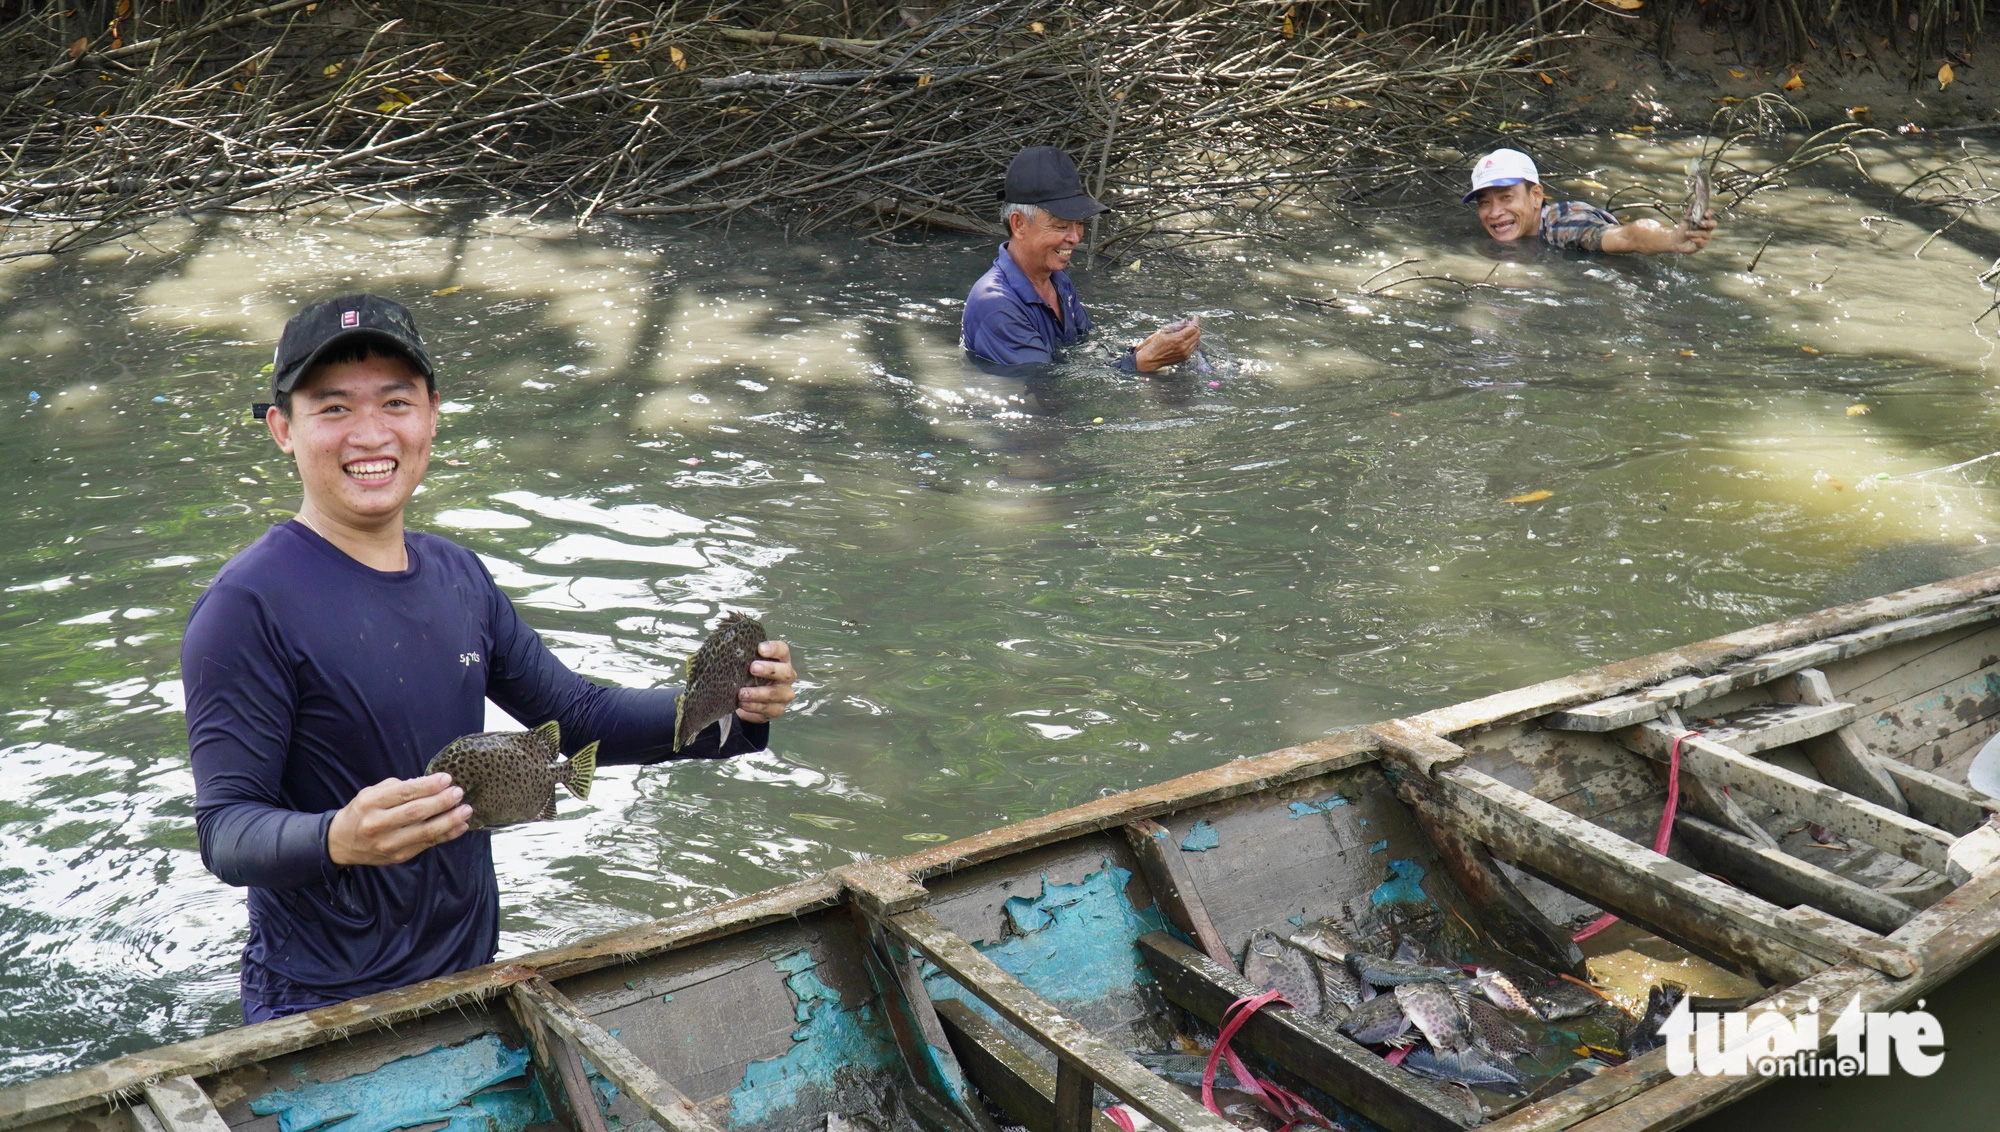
{"points": [[1434, 1010], [1495, 1030], [1379, 972], [510, 777], [1697, 194], [764, 1012], [1379, 1021], [1661, 999], [1500, 990], [1471, 1067], [715, 673], [1272, 964]]}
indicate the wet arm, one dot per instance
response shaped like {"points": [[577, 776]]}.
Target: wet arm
{"points": [[1650, 237], [629, 725], [240, 704]]}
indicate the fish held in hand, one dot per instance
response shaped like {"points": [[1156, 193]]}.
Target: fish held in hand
{"points": [[715, 673], [510, 777], [1697, 198]]}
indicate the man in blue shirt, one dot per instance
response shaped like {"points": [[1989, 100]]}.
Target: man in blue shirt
{"points": [[1024, 309], [332, 658]]}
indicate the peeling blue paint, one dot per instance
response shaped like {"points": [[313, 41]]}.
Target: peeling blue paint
{"points": [[1379, 846], [436, 1085], [832, 1042], [1406, 887], [1083, 949], [1301, 809], [1201, 838]]}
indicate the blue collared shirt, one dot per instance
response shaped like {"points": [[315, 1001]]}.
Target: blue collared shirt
{"points": [[1007, 323]]}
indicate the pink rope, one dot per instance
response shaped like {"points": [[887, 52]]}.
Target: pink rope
{"points": [[1120, 1117], [1275, 1099], [1659, 838]]}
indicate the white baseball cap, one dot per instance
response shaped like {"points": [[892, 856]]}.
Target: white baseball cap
{"points": [[1502, 167]]}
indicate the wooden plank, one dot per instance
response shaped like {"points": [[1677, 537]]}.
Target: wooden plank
{"points": [[1658, 891], [1073, 1110], [1975, 853], [1794, 793], [1172, 887], [1319, 1056], [637, 1080], [1769, 726], [1940, 801], [998, 1068], [920, 1038], [1712, 803], [1422, 751], [1509, 917], [144, 1120], [1099, 1060], [1784, 879], [558, 1069], [1840, 756], [1615, 712], [181, 1106]]}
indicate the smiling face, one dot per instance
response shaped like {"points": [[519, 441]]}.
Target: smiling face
{"points": [[1510, 212], [361, 432], [1042, 244]]}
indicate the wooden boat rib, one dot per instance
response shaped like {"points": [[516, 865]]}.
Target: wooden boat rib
{"points": [[1010, 972]]}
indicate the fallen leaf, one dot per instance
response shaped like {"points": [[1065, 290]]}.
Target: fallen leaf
{"points": [[1944, 76], [454, 289], [1529, 497], [1035, 27], [1544, 76], [1133, 266], [637, 41], [602, 56], [1835, 484], [680, 60], [923, 80], [1624, 5], [1858, 410], [1287, 30], [1809, 349], [81, 45], [236, 86], [1736, 74], [1857, 112], [1796, 82], [1685, 353], [332, 69], [1612, 85]]}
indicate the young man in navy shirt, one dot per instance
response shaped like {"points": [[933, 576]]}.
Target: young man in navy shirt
{"points": [[334, 656]]}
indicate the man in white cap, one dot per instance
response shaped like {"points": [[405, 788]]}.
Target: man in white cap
{"points": [[1507, 189]]}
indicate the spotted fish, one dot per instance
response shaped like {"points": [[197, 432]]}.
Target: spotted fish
{"points": [[1379, 1021], [1273, 965], [715, 674], [1495, 1030], [510, 777], [1661, 1000], [1380, 972]]}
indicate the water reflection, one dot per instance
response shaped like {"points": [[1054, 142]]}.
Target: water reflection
{"points": [[1009, 594]]}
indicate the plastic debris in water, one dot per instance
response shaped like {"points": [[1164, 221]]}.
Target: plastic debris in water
{"points": [[33, 396], [1215, 385], [159, 400], [691, 461]]}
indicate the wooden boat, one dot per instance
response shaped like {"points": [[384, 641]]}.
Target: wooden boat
{"points": [[1007, 974]]}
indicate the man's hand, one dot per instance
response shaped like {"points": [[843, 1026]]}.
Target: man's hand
{"points": [[1167, 346], [396, 819], [766, 702], [1650, 237]]}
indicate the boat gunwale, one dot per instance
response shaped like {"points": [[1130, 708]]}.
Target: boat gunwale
{"points": [[120, 1078]]}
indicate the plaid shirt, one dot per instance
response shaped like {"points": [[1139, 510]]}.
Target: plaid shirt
{"points": [[1572, 224]]}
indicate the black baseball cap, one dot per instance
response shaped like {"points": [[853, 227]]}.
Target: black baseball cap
{"points": [[1045, 177], [320, 328]]}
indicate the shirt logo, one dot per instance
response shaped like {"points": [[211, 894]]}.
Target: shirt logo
{"points": [[468, 659], [350, 318]]}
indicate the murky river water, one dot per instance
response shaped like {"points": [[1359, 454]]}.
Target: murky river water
{"points": [[1006, 598]]}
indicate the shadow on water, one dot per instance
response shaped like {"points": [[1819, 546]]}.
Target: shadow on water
{"points": [[1010, 594]]}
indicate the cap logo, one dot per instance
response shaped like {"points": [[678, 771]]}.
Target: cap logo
{"points": [[350, 318]]}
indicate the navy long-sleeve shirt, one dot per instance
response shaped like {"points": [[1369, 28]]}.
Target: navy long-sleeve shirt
{"points": [[1006, 323], [310, 676]]}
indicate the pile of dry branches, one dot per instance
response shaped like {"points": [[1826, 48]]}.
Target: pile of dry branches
{"points": [[1184, 115]]}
